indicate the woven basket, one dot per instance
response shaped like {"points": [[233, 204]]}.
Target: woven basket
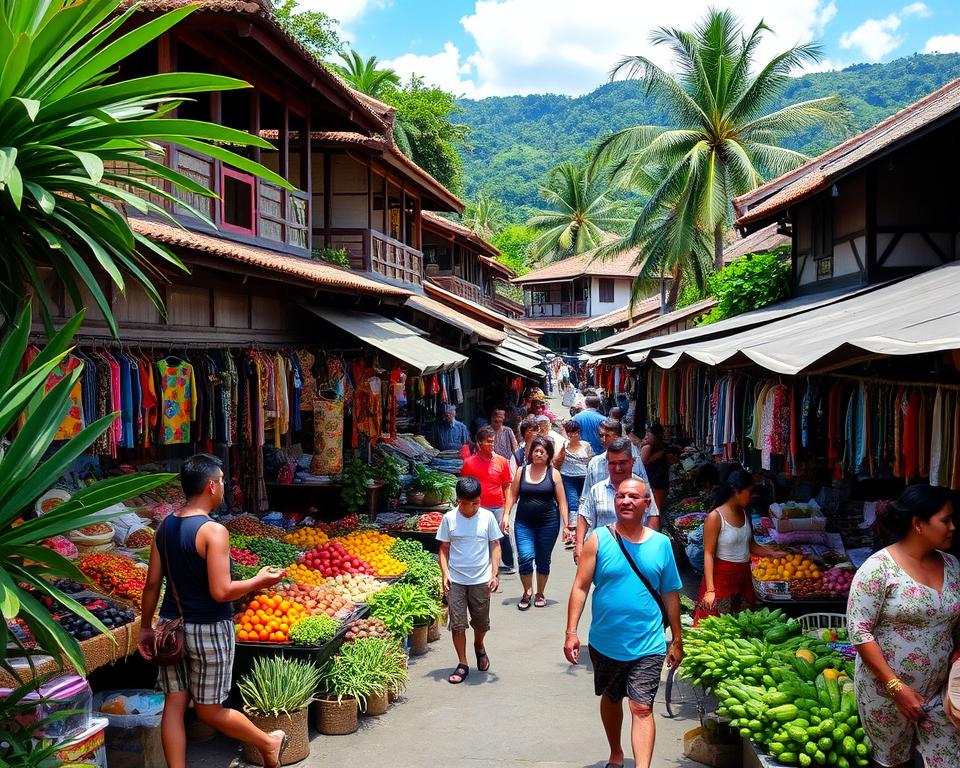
{"points": [[294, 725], [336, 718], [433, 631], [418, 640], [377, 704]]}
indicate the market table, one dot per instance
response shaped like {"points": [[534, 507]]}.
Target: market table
{"points": [[797, 608], [427, 538]]}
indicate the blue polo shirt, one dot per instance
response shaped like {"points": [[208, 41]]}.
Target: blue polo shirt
{"points": [[590, 421]]}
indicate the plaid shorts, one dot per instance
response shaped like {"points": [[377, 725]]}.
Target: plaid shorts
{"points": [[206, 669], [638, 679]]}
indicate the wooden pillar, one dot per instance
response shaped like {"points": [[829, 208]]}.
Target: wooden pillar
{"points": [[285, 139], [870, 231], [255, 119]]}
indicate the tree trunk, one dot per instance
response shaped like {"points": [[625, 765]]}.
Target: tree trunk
{"points": [[718, 248], [671, 303], [663, 294]]}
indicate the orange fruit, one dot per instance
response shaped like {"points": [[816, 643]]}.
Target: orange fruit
{"points": [[242, 635], [254, 605], [263, 634]]}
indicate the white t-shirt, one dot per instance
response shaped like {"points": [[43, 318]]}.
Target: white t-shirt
{"points": [[469, 538]]}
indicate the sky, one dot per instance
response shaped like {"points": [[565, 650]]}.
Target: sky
{"points": [[479, 48]]}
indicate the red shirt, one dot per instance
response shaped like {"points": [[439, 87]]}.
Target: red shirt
{"points": [[493, 475]]}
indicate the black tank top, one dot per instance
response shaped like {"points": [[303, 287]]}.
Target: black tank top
{"points": [[176, 541], [537, 502]]}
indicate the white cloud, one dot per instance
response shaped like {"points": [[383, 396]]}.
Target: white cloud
{"points": [[570, 46], [943, 44], [878, 37]]}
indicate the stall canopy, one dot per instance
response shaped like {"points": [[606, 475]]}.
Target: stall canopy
{"points": [[911, 316], [397, 339], [517, 355]]}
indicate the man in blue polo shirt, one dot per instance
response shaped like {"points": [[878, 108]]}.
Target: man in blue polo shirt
{"points": [[590, 420]]}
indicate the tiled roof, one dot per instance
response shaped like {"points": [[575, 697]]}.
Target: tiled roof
{"points": [[822, 171], [312, 271], [762, 240], [336, 137], [641, 311], [585, 264], [456, 318], [435, 221], [262, 9]]}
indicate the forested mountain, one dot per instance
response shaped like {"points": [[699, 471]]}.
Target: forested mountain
{"points": [[515, 140]]}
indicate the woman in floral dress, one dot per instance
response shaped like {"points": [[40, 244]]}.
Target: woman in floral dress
{"points": [[903, 617]]}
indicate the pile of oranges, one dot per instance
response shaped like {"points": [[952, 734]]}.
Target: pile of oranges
{"points": [[306, 538], [303, 575], [373, 546], [786, 568], [268, 619]]}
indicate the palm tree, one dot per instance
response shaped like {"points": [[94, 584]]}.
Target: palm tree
{"points": [[66, 135], [724, 141], [483, 215], [580, 215], [365, 76]]}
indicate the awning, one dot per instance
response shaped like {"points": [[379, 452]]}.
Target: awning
{"points": [[912, 316], [397, 339], [459, 320], [513, 361]]}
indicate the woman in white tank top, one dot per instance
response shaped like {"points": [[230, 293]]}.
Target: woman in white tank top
{"points": [[727, 548]]}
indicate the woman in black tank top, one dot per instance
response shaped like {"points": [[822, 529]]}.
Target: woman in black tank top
{"points": [[541, 510]]}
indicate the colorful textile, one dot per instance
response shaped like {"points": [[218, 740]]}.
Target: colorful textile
{"points": [[327, 437], [177, 388]]}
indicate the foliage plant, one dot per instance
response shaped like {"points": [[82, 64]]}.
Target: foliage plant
{"points": [[720, 139], [365, 76], [433, 482], [423, 570], [353, 485], [401, 606], [579, 216], [279, 686], [336, 256], [513, 242], [314, 630], [751, 282], [67, 128], [314, 30], [18, 748], [483, 215], [28, 468], [365, 667], [387, 470]]}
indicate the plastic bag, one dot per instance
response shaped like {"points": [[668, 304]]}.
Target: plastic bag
{"points": [[125, 526], [131, 708], [694, 549]]}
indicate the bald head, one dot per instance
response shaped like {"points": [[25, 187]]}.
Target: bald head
{"points": [[632, 500]]}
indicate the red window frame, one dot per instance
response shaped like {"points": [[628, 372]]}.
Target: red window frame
{"points": [[246, 178]]}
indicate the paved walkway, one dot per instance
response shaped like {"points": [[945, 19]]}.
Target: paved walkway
{"points": [[531, 709]]}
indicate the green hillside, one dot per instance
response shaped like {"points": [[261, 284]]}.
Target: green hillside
{"points": [[516, 139]]}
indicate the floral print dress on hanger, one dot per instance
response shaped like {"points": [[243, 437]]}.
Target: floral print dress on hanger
{"points": [[917, 629]]}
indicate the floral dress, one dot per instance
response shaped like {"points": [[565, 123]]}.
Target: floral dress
{"points": [[916, 628]]}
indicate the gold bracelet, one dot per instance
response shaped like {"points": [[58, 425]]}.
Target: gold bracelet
{"points": [[894, 686]]}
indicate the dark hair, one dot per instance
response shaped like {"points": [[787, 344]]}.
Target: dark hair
{"points": [[592, 402], [197, 471], [571, 426], [737, 481], [496, 410], [708, 473], [656, 430], [468, 488], [477, 424], [612, 425], [620, 445], [921, 501], [527, 424], [486, 432], [616, 410], [547, 446]]}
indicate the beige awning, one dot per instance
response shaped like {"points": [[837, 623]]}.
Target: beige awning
{"points": [[912, 316], [396, 339]]}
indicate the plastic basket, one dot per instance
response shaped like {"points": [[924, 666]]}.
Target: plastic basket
{"points": [[813, 623]]}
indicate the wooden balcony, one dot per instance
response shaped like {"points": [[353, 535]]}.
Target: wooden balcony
{"points": [[462, 288], [559, 309], [248, 209], [372, 251]]}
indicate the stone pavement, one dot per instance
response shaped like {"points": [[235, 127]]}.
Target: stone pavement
{"points": [[531, 709]]}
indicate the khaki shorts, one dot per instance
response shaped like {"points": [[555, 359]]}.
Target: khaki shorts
{"points": [[474, 598], [206, 669]]}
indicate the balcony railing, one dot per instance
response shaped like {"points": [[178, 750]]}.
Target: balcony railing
{"points": [[393, 259], [462, 288], [559, 309], [248, 207]]}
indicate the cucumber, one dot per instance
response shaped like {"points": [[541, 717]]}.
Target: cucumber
{"points": [[784, 713]]}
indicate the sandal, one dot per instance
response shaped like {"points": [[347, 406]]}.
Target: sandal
{"points": [[459, 674], [540, 601], [283, 748], [524, 604], [483, 661]]}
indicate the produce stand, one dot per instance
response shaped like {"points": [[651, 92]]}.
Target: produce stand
{"points": [[427, 538]]}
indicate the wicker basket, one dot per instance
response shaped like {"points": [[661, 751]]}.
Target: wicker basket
{"points": [[336, 718], [377, 704], [433, 631], [418, 640], [294, 725]]}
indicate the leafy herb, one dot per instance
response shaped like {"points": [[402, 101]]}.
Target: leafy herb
{"points": [[313, 630], [273, 552], [277, 686]]}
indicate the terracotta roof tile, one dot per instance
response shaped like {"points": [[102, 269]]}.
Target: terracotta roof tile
{"points": [[455, 317], [316, 272], [763, 239], [585, 264], [818, 173], [641, 311]]}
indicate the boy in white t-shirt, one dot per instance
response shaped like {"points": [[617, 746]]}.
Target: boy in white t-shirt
{"points": [[469, 539]]}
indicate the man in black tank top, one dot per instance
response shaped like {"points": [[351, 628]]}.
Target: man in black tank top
{"points": [[198, 552]]}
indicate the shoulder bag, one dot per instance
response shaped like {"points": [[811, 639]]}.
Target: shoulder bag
{"points": [[653, 592], [170, 634]]}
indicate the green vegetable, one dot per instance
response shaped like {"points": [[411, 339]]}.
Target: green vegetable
{"points": [[313, 630], [364, 667], [400, 606], [277, 686], [272, 552]]}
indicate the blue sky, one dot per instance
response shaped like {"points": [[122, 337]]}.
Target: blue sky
{"points": [[481, 48]]}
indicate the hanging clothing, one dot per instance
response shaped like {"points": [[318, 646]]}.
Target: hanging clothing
{"points": [[178, 389]]}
